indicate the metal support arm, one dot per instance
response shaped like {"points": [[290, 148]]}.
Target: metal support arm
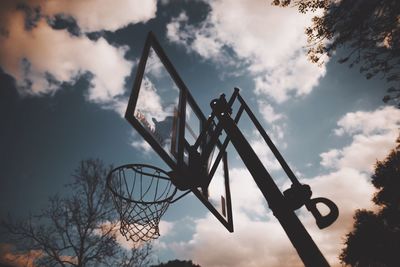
{"points": [[298, 235]]}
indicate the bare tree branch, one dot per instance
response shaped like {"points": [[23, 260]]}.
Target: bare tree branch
{"points": [[78, 230]]}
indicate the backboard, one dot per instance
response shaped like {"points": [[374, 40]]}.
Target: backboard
{"points": [[164, 113]]}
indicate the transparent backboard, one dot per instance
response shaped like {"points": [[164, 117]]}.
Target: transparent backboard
{"points": [[165, 114], [157, 106], [218, 189]]}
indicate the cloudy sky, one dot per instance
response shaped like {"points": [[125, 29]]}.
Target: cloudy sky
{"points": [[66, 71]]}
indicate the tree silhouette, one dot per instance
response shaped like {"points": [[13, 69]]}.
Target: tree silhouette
{"points": [[177, 263], [375, 239], [77, 230], [368, 30]]}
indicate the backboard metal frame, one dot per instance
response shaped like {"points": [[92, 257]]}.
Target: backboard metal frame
{"points": [[185, 98]]}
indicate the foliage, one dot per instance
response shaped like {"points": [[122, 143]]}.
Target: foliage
{"points": [[375, 239], [369, 30], [177, 263], [78, 230]]}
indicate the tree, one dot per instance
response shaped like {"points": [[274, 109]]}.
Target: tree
{"points": [[375, 239], [77, 230], [177, 263], [368, 30]]}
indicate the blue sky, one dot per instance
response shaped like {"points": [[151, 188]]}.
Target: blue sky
{"points": [[66, 75]]}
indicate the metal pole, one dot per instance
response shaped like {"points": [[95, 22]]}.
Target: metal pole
{"points": [[298, 235]]}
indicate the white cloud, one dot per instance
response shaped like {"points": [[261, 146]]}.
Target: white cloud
{"points": [[349, 190], [373, 135], [165, 228], [264, 153], [173, 29], [149, 101], [254, 243], [247, 197], [259, 240], [142, 146], [278, 133], [118, 104], [97, 15], [206, 46], [297, 76], [10, 257], [330, 158], [364, 151], [268, 40], [268, 112], [42, 58], [154, 66], [201, 40], [374, 122], [64, 57]]}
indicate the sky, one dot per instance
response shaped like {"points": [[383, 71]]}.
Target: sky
{"points": [[66, 72]]}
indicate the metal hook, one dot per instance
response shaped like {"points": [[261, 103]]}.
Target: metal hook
{"points": [[323, 221]]}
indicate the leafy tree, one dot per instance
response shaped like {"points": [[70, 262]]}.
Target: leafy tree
{"points": [[369, 30], [77, 230], [375, 239]]}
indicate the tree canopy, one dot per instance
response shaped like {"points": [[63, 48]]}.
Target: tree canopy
{"points": [[367, 30], [375, 239]]}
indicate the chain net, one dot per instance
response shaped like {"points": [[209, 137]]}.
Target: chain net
{"points": [[141, 194]]}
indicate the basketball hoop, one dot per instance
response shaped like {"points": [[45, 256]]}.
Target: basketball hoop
{"points": [[141, 194], [185, 139]]}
